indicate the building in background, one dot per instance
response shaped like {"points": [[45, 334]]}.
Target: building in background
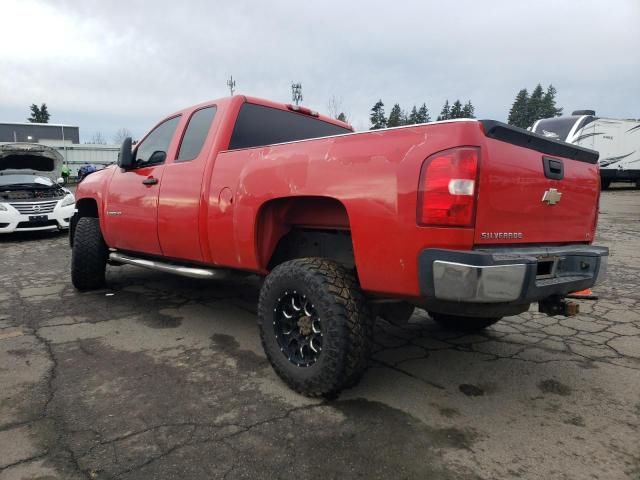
{"points": [[38, 133], [65, 139]]}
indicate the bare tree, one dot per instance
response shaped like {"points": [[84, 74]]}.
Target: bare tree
{"points": [[121, 134], [334, 108], [98, 139]]}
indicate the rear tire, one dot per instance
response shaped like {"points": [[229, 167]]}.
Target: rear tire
{"points": [[89, 255], [463, 324], [315, 325]]}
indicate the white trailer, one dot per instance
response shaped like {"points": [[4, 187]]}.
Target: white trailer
{"points": [[617, 141]]}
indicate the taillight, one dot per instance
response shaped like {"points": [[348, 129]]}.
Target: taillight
{"points": [[448, 188]]}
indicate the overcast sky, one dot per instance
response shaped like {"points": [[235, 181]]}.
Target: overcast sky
{"points": [[103, 65]]}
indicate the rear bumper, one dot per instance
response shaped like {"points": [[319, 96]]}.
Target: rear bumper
{"points": [[516, 276]]}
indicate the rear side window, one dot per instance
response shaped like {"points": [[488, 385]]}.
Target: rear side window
{"points": [[153, 149], [196, 133], [258, 125]]}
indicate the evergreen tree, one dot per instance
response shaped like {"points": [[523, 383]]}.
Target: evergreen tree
{"points": [[423, 114], [445, 114], [377, 117], [395, 116], [535, 105], [414, 116], [39, 114], [404, 118], [549, 108], [518, 115], [526, 110], [456, 110], [468, 110], [342, 117]]}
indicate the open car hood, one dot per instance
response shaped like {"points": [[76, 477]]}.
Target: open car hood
{"points": [[30, 158]]}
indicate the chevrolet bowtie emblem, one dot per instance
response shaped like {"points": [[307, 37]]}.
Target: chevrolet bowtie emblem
{"points": [[551, 196]]}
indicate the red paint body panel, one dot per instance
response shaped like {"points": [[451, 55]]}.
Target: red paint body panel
{"points": [[512, 183], [132, 211], [227, 208], [374, 175]]}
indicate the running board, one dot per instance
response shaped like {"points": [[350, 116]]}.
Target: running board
{"points": [[163, 267]]}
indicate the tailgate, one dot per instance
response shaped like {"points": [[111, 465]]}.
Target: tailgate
{"points": [[533, 190]]}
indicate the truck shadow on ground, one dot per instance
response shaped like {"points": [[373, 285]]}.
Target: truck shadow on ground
{"points": [[420, 350]]}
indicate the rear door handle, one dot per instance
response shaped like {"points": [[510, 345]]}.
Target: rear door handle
{"points": [[150, 181]]}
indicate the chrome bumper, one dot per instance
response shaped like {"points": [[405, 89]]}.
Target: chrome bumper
{"points": [[510, 275], [482, 284]]}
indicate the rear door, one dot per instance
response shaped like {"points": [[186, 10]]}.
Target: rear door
{"points": [[131, 218], [179, 203], [535, 191]]}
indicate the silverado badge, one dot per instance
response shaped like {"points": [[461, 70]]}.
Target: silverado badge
{"points": [[551, 196]]}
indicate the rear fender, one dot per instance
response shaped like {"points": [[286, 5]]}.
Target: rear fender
{"points": [[278, 217]]}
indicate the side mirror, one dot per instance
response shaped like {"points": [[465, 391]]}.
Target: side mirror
{"points": [[60, 181], [125, 159]]}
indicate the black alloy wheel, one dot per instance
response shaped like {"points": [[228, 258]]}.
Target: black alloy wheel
{"points": [[298, 329]]}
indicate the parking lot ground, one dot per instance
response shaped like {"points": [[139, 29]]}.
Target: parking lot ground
{"points": [[161, 377]]}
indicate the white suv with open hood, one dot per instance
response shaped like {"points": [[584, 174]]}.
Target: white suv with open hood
{"points": [[30, 195]]}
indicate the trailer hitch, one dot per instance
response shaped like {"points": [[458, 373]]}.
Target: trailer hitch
{"points": [[558, 306]]}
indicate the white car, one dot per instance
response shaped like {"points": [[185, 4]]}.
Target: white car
{"points": [[31, 197]]}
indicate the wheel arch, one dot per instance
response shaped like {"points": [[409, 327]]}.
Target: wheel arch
{"points": [[288, 227]]}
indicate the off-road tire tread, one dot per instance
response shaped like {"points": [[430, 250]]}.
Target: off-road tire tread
{"points": [[89, 255], [344, 303]]}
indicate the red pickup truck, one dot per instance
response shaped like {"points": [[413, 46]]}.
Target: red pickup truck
{"points": [[471, 220]]}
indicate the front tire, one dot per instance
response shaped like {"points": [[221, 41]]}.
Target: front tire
{"points": [[89, 255], [315, 325], [463, 324]]}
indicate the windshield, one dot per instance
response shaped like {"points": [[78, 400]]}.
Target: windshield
{"points": [[6, 180], [556, 128]]}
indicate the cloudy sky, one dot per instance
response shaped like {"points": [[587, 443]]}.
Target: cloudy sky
{"points": [[103, 65]]}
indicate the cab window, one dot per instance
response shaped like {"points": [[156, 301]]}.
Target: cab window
{"points": [[196, 134], [258, 125], [153, 149]]}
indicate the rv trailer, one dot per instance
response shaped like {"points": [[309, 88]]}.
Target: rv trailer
{"points": [[617, 141]]}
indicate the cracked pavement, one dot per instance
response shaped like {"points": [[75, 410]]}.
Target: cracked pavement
{"points": [[164, 377]]}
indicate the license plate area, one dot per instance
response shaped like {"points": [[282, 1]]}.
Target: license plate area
{"points": [[38, 218]]}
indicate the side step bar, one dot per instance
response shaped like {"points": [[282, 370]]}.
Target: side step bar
{"points": [[192, 272]]}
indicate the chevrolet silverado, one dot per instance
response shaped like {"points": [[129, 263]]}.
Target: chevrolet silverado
{"points": [[471, 220]]}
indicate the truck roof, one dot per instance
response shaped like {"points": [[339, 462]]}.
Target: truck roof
{"points": [[224, 101]]}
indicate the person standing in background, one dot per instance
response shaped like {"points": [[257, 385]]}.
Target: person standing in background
{"points": [[65, 173]]}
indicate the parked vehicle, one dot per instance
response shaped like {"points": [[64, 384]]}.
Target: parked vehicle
{"points": [[617, 141], [471, 220], [31, 197], [85, 170]]}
